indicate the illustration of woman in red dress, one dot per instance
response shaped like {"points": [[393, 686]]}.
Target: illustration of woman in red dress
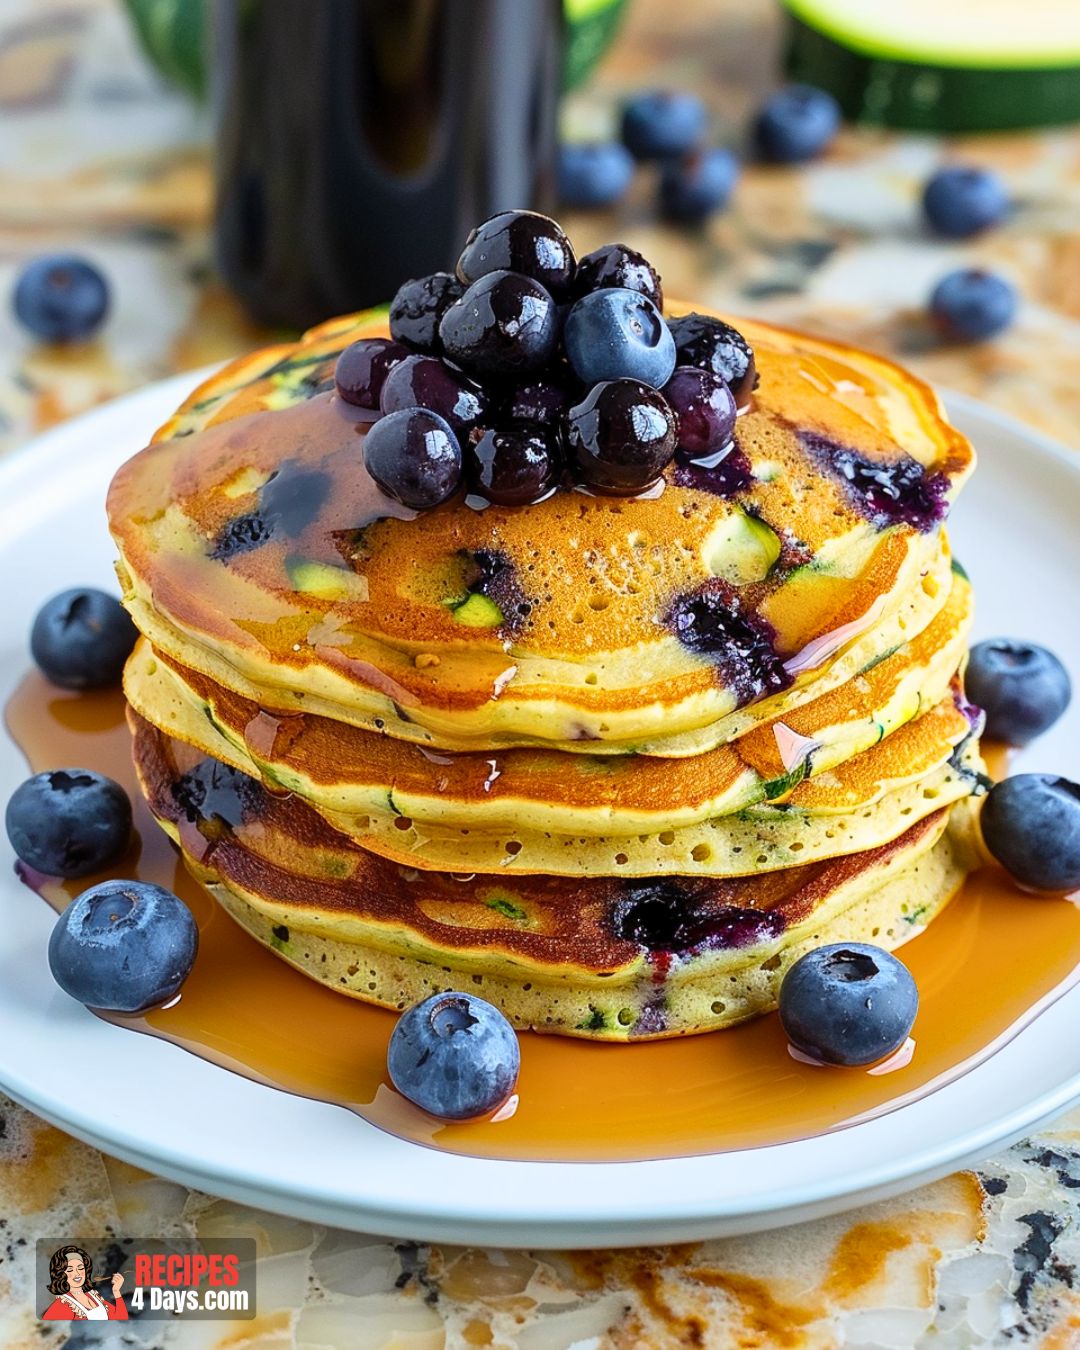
{"points": [[70, 1275]]}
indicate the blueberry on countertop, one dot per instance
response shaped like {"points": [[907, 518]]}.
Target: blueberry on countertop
{"points": [[1031, 824], [970, 304], [698, 184], [81, 638], [1022, 688], [962, 200], [68, 822], [594, 174], [660, 123], [796, 123], [123, 946], [454, 1056], [414, 457], [848, 1003], [61, 298], [615, 334]]}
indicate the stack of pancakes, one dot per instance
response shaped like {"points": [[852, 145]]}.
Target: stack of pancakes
{"points": [[611, 763]]}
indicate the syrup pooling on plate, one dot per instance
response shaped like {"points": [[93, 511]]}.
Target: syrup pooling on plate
{"points": [[994, 959]]}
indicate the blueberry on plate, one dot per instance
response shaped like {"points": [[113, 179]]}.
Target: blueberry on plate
{"points": [[362, 368], [848, 1003], [61, 298], [796, 123], [425, 382], [616, 334], [514, 466], [971, 304], [505, 324], [414, 457], [454, 1056], [660, 124], [711, 344], [962, 200], [615, 265], [1022, 688], [68, 822], [418, 306], [596, 174], [704, 409], [621, 437], [693, 187], [1031, 824], [81, 638], [123, 946], [520, 241]]}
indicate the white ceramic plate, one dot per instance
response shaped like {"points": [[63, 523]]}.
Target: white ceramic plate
{"points": [[1017, 531]]}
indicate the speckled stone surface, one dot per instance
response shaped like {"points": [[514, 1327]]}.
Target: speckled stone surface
{"points": [[97, 156]]}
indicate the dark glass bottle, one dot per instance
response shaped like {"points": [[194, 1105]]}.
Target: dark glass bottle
{"points": [[358, 141]]}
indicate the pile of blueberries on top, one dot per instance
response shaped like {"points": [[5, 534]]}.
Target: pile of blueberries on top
{"points": [[529, 368]]}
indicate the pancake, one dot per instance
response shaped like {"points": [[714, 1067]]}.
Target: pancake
{"points": [[605, 959], [340, 768], [857, 805], [256, 551]]}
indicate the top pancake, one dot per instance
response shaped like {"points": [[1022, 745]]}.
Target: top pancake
{"points": [[256, 550]]}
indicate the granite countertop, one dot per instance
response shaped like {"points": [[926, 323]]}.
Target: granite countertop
{"points": [[97, 156]]}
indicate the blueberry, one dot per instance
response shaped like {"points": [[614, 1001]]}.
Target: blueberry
{"points": [[711, 344], [1022, 688], [848, 1003], [543, 401], [504, 324], [971, 304], [615, 265], [693, 187], [61, 298], [961, 200], [659, 124], [796, 123], [362, 368], [419, 305], [514, 466], [424, 382], [621, 436], [520, 241], [454, 1056], [68, 822], [617, 334], [81, 638], [704, 408], [124, 946], [1031, 824], [713, 621], [594, 175], [414, 457]]}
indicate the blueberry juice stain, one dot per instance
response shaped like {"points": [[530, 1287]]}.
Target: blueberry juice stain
{"points": [[983, 968]]}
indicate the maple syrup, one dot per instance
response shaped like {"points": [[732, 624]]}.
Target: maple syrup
{"points": [[986, 967]]}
